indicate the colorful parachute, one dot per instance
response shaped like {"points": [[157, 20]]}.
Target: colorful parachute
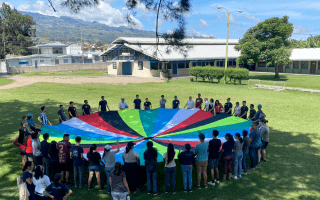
{"points": [[180, 126]]}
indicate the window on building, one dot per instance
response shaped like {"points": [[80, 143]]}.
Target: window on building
{"points": [[97, 58], [181, 65], [154, 65], [296, 65], [42, 61], [234, 63], [57, 50], [221, 63], [199, 64], [187, 65], [230, 63], [304, 65], [114, 65], [194, 64], [65, 61], [169, 65], [140, 65], [288, 66], [211, 63]]}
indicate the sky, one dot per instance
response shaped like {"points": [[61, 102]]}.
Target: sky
{"points": [[204, 19]]}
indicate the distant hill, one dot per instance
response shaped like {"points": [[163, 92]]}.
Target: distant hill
{"points": [[69, 29]]}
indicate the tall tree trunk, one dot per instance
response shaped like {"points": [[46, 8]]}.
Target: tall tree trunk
{"points": [[276, 69]]}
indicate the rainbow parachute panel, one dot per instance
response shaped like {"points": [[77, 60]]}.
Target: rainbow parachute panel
{"points": [[180, 126]]}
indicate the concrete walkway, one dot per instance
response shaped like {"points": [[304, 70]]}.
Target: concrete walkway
{"points": [[281, 88]]}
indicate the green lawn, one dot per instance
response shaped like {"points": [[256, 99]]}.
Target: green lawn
{"points": [[292, 170], [67, 73], [5, 81]]}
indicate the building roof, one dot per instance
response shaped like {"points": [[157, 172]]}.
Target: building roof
{"points": [[49, 45], [305, 54]]}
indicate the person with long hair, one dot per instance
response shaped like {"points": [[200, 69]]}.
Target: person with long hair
{"points": [[237, 156], [131, 165], [21, 142], [110, 160], [264, 138], [41, 181], [237, 110], [150, 156], [94, 165], [218, 107], [186, 159], [57, 190], [227, 156], [170, 167], [245, 150], [119, 185], [54, 158], [28, 178]]}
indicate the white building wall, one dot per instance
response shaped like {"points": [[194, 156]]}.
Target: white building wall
{"points": [[73, 50], [46, 50]]}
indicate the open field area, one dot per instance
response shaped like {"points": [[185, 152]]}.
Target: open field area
{"points": [[5, 81], [292, 170]]}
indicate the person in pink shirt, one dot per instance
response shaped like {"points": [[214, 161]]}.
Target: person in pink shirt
{"points": [[218, 107]]}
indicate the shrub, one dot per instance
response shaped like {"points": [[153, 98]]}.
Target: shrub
{"points": [[207, 72], [236, 74], [195, 71], [166, 73]]}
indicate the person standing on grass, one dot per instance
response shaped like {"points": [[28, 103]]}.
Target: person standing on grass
{"points": [[227, 156], [254, 145], [58, 190], [64, 147], [77, 155], [201, 152], [163, 102], [94, 159], [237, 156], [103, 105], [86, 109], [206, 104], [245, 150], [62, 115], [199, 102], [131, 165], [36, 147], [72, 112], [54, 158], [150, 156], [43, 119], [244, 110], [119, 185], [264, 138], [41, 182], [147, 105], [228, 107], [175, 103], [189, 103], [109, 159], [31, 123], [252, 115], [21, 142], [218, 107], [186, 159], [137, 103], [45, 154], [24, 124], [214, 152], [28, 178], [260, 114], [237, 110], [123, 105], [211, 107], [170, 168]]}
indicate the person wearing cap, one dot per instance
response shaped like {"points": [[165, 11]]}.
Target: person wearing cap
{"points": [[150, 156], [57, 190], [201, 152], [264, 138], [131, 165], [253, 112], [72, 111], [31, 123], [86, 108], [186, 159], [163, 102], [214, 152], [40, 181], [27, 178], [137, 103], [76, 154], [189, 103], [103, 104], [43, 119], [259, 114], [62, 115], [123, 105], [175, 103], [109, 162], [147, 105], [254, 145], [199, 101]]}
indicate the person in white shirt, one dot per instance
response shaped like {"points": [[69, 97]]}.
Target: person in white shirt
{"points": [[190, 103], [41, 181], [170, 167], [237, 110], [206, 104], [123, 105]]}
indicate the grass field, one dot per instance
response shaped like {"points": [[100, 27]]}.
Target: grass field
{"points": [[5, 81], [292, 170], [77, 73]]}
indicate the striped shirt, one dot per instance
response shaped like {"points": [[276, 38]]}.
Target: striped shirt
{"points": [[43, 117]]}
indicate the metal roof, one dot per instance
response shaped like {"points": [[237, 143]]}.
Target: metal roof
{"points": [[305, 54], [49, 45]]}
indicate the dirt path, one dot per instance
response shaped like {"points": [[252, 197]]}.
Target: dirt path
{"points": [[20, 81]]}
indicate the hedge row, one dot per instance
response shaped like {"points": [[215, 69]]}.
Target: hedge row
{"points": [[218, 73]]}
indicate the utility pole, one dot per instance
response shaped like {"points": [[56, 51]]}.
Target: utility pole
{"points": [[82, 48]]}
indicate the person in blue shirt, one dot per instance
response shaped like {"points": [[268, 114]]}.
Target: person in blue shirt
{"points": [[202, 159], [259, 114], [186, 159], [31, 123], [163, 102], [43, 119], [58, 190], [254, 144]]}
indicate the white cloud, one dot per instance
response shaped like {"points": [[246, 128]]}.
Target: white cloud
{"points": [[202, 23], [193, 32], [24, 7], [252, 18], [298, 30], [142, 7]]}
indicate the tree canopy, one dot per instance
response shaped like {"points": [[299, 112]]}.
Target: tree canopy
{"points": [[267, 42], [311, 42]]}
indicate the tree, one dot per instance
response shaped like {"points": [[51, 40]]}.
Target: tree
{"points": [[267, 42], [16, 31], [99, 44]]}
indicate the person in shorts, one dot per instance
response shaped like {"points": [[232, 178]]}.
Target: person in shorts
{"points": [[64, 148], [214, 152], [201, 152], [94, 159]]}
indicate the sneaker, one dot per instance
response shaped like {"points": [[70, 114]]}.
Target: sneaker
{"points": [[205, 186], [174, 192], [190, 190], [235, 177], [217, 181], [212, 184], [263, 160], [166, 192], [199, 187], [149, 192], [244, 173], [155, 193], [240, 176], [185, 191]]}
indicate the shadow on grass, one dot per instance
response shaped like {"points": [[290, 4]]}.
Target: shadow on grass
{"points": [[290, 173]]}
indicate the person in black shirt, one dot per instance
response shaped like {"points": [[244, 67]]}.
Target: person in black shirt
{"points": [[137, 103], [175, 103], [214, 151], [244, 110], [72, 111], [57, 190], [253, 112], [150, 156], [45, 154], [86, 109], [147, 105], [228, 107], [103, 104], [94, 165], [186, 159]]}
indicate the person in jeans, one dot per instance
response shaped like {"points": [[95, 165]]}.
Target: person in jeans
{"points": [[170, 168], [109, 159], [245, 150], [214, 152], [94, 166], [119, 186], [54, 158], [237, 156], [264, 138], [77, 155], [150, 156], [131, 165], [227, 156], [254, 145], [45, 154], [201, 152], [186, 159]]}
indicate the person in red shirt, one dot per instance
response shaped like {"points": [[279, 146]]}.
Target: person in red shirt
{"points": [[64, 148], [21, 142], [218, 107], [199, 101]]}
